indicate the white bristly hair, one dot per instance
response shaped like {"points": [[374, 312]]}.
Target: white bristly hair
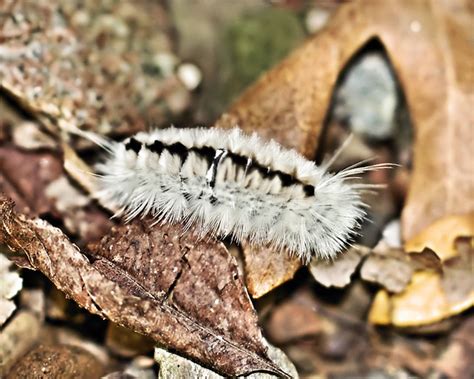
{"points": [[230, 184]]}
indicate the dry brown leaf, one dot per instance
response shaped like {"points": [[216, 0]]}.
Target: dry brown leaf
{"points": [[428, 43], [35, 180], [433, 294], [393, 268], [380, 312], [338, 272], [161, 282], [436, 291], [264, 274], [458, 272], [440, 98], [439, 236], [423, 302]]}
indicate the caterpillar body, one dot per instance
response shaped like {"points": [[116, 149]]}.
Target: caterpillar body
{"points": [[231, 184]]}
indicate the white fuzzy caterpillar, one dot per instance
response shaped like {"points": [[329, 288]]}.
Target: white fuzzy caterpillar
{"points": [[231, 184]]}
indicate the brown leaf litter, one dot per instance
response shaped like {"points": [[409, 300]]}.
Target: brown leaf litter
{"points": [[428, 45], [431, 295], [37, 183], [189, 297], [187, 294], [393, 268], [338, 272]]}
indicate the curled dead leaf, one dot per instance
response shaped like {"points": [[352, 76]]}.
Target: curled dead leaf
{"points": [[338, 272]]}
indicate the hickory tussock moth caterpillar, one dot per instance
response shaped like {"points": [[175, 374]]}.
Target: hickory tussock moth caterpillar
{"points": [[231, 184]]}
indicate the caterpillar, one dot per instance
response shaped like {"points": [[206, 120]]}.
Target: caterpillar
{"points": [[230, 184]]}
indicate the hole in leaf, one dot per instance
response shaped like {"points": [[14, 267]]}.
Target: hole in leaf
{"points": [[368, 102]]}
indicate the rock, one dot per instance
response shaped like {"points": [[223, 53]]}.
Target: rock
{"points": [[57, 362]]}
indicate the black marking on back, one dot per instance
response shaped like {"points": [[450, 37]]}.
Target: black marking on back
{"points": [[213, 160], [133, 145], [238, 160], [178, 149], [206, 152], [156, 147]]}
